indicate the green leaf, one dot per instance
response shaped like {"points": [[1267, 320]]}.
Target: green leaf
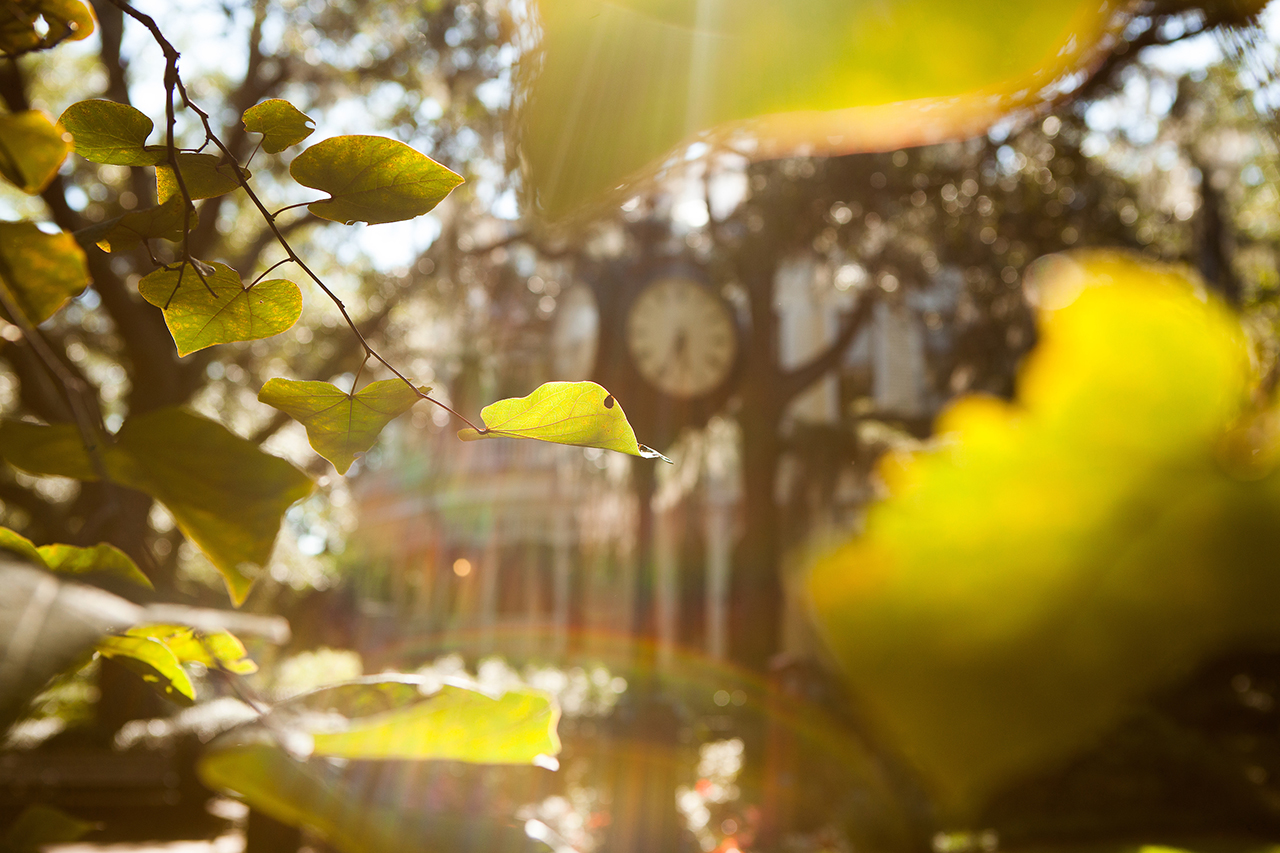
{"points": [[63, 20], [153, 660], [40, 271], [371, 179], [123, 233], [356, 813], [73, 560], [621, 84], [225, 494], [205, 175], [280, 123], [215, 650], [1056, 560], [31, 149], [103, 557], [217, 308], [454, 724], [339, 425], [581, 413], [40, 826], [111, 133]]}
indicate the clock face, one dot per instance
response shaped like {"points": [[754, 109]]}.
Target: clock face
{"points": [[681, 337]]}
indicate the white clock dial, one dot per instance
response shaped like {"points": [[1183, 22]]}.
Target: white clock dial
{"points": [[681, 337]]}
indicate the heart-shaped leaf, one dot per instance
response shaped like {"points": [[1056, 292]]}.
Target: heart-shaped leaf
{"points": [[216, 308], [40, 271], [70, 559], [154, 661], [371, 179], [280, 123], [219, 649], [122, 233], [205, 175], [111, 133], [339, 425], [225, 494], [581, 413], [31, 149]]}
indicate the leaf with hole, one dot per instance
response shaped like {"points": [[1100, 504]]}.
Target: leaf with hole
{"points": [[215, 650], [280, 123], [579, 413], [154, 661], [40, 271], [111, 133], [216, 308], [371, 179], [205, 176], [123, 233], [74, 560], [38, 24], [225, 494], [341, 426], [31, 149]]}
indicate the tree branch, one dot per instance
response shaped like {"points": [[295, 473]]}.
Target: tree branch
{"points": [[795, 381]]}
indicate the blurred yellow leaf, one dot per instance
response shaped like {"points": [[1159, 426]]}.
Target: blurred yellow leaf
{"points": [[620, 84], [581, 413], [1052, 561], [155, 662]]}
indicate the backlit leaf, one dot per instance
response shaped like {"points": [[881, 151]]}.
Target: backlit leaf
{"points": [[111, 133], [219, 649], [153, 660], [123, 233], [31, 149], [621, 84], [225, 494], [40, 271], [581, 413], [217, 308], [40, 826], [280, 123], [371, 179], [63, 20], [1055, 560], [103, 557], [339, 425], [205, 175], [455, 724]]}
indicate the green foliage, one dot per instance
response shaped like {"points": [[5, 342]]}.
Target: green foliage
{"points": [[581, 413], [227, 499], [339, 425], [40, 272], [150, 658], [381, 718], [31, 150], [371, 179], [454, 724], [1125, 533], [73, 560], [39, 826], [204, 175], [110, 133], [124, 233], [203, 309], [216, 650], [280, 123], [39, 24]]}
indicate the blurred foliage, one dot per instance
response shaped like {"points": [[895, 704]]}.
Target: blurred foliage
{"points": [[1124, 534]]}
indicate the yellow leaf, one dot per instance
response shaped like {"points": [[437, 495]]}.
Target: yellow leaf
{"points": [[580, 413]]}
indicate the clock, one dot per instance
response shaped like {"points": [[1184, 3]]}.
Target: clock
{"points": [[681, 337]]}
